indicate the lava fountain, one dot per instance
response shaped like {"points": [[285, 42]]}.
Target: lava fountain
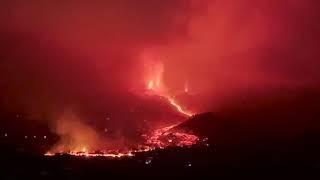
{"points": [[156, 86]]}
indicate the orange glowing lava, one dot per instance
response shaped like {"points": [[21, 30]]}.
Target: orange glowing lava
{"points": [[159, 138], [171, 100], [179, 107], [156, 85], [150, 85], [153, 77]]}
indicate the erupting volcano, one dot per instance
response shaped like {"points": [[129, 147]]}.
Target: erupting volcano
{"points": [[156, 86], [100, 89], [156, 139]]}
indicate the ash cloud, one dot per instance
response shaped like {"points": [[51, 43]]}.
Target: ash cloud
{"points": [[247, 46], [83, 57], [57, 55]]}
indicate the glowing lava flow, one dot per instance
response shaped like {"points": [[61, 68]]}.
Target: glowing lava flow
{"points": [[157, 89], [88, 154], [179, 108], [159, 138], [164, 137]]}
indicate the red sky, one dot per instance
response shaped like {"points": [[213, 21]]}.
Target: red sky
{"points": [[81, 54]]}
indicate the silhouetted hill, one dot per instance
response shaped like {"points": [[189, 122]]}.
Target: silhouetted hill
{"points": [[208, 125], [271, 129], [200, 124], [281, 115]]}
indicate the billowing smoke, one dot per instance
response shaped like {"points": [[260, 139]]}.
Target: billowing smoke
{"points": [[91, 57], [244, 46], [75, 135], [85, 58]]}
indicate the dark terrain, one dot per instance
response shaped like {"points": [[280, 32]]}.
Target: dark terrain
{"points": [[270, 136]]}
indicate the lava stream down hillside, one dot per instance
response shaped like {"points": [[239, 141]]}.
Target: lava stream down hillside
{"points": [[157, 139]]}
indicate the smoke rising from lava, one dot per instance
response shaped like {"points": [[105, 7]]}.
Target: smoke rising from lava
{"points": [[92, 57], [75, 136]]}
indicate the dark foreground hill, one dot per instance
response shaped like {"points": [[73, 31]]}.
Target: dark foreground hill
{"points": [[273, 130], [268, 135]]}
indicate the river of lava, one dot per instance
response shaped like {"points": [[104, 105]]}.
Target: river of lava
{"points": [[159, 139]]}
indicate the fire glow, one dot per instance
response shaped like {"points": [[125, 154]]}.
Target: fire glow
{"points": [[155, 84], [157, 139], [172, 101], [179, 107]]}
